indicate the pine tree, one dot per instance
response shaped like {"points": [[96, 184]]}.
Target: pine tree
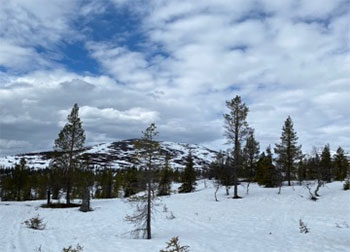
{"points": [[20, 177], [312, 165], [130, 182], [68, 144], [105, 179], [251, 156], [301, 171], [267, 174], [288, 151], [236, 130], [221, 170], [188, 176], [148, 153], [326, 164], [318, 171], [341, 164], [165, 179]]}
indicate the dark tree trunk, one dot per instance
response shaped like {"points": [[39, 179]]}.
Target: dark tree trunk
{"points": [[68, 192], [288, 175], [48, 196], [149, 211], [216, 191], [236, 162], [85, 205]]}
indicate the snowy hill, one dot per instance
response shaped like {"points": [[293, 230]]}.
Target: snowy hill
{"points": [[120, 155], [261, 221]]}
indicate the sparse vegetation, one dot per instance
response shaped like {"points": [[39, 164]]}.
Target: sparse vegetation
{"points": [[77, 248], [36, 223], [346, 185], [302, 227], [174, 246]]}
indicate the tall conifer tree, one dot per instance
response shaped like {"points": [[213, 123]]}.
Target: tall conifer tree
{"points": [[70, 141], [188, 176], [236, 130], [326, 164], [341, 164], [251, 156], [288, 151]]}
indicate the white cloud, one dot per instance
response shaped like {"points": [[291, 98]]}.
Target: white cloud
{"points": [[30, 32], [283, 57], [95, 116]]}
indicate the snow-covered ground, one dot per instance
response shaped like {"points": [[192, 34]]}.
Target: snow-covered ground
{"points": [[261, 221]]}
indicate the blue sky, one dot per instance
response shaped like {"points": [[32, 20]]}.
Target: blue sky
{"points": [[175, 63]]}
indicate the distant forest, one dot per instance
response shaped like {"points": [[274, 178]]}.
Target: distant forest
{"points": [[71, 176]]}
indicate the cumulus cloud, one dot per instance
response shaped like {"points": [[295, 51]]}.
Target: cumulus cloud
{"points": [[283, 58]]}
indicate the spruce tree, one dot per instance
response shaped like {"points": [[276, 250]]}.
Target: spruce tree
{"points": [[70, 141], [221, 170], [288, 151], [130, 182], [188, 176], [165, 179], [236, 130], [20, 178], [326, 164], [267, 174], [251, 156], [301, 171], [341, 164]]}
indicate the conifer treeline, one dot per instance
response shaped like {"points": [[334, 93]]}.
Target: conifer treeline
{"points": [[24, 183], [71, 174], [244, 161]]}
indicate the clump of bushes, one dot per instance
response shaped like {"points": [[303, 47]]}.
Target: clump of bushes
{"points": [[36, 223]]}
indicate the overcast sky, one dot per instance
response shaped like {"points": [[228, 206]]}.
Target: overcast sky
{"points": [[129, 63]]}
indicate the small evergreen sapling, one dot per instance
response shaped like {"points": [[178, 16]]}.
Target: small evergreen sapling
{"points": [[302, 227], [174, 246]]}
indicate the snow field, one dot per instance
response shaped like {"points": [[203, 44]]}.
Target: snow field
{"points": [[261, 221]]}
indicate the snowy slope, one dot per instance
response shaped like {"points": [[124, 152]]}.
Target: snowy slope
{"points": [[261, 221], [120, 155]]}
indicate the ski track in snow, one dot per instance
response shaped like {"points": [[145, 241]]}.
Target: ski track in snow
{"points": [[261, 221]]}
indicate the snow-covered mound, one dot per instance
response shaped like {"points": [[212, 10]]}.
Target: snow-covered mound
{"points": [[121, 155], [261, 221]]}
